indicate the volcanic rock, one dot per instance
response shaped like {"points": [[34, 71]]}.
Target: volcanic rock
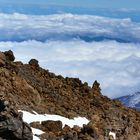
{"points": [[2, 63], [2, 56], [34, 62], [2, 59], [96, 87], [52, 126], [9, 55], [12, 126]]}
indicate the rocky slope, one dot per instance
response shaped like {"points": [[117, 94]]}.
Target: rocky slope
{"points": [[29, 87], [132, 100]]}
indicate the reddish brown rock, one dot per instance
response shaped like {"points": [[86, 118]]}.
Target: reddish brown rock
{"points": [[2, 59], [52, 126], [2, 63], [2, 56], [96, 87]]}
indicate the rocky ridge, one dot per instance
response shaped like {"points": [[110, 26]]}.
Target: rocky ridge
{"points": [[29, 87]]}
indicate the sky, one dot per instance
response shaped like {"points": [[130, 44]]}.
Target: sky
{"points": [[127, 4]]}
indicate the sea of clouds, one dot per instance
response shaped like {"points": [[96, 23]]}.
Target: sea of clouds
{"points": [[84, 46], [19, 27]]}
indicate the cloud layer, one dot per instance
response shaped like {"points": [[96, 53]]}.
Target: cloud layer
{"points": [[115, 65], [19, 27], [89, 47]]}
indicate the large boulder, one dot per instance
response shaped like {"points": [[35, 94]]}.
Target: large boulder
{"points": [[90, 130], [34, 62], [9, 55], [96, 87], [12, 126], [52, 126]]}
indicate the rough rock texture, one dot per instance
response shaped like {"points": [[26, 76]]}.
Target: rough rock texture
{"points": [[34, 62], [12, 126], [52, 126], [29, 87], [9, 55]]}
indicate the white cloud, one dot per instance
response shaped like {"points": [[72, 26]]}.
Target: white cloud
{"points": [[19, 27], [115, 65], [64, 49]]}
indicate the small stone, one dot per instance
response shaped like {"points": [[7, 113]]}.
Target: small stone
{"points": [[6, 103]]}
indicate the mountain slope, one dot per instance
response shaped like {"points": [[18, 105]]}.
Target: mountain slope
{"points": [[30, 88], [132, 100]]}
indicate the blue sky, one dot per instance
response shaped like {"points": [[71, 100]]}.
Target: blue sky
{"points": [[106, 8], [128, 4]]}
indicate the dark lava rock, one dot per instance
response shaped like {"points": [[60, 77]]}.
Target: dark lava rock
{"points": [[90, 130], [34, 62], [12, 126], [9, 55], [71, 136]]}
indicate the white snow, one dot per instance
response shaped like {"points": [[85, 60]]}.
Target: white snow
{"points": [[36, 132], [112, 134], [35, 138], [79, 121], [134, 99], [29, 117]]}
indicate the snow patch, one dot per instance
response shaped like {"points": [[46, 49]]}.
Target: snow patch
{"points": [[36, 132], [134, 99], [112, 134], [35, 138], [29, 117]]}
